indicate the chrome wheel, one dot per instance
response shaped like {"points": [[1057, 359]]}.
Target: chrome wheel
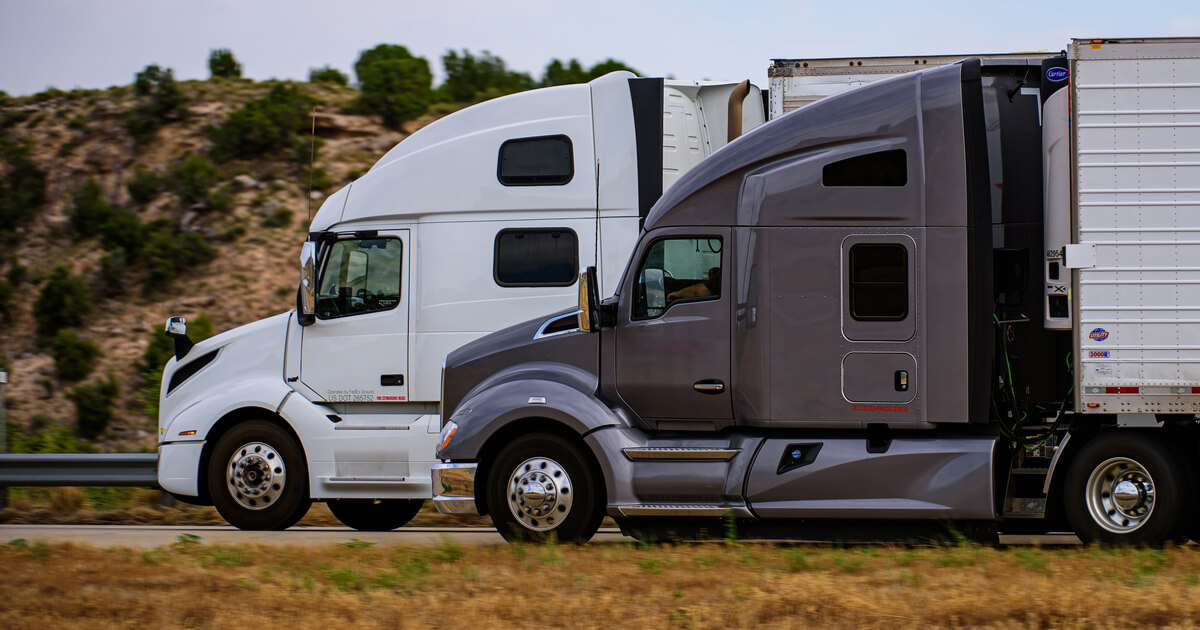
{"points": [[255, 475], [1120, 495], [540, 494]]}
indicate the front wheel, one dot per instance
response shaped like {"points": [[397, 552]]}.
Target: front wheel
{"points": [[1126, 488], [258, 478], [542, 488], [369, 515]]}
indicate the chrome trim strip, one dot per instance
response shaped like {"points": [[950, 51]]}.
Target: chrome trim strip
{"points": [[541, 331], [370, 427], [680, 454], [366, 480], [454, 488], [672, 510], [1054, 462]]}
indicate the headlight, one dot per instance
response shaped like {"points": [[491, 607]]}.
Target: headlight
{"points": [[446, 435]]}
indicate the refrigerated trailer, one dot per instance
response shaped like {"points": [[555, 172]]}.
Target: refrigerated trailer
{"points": [[967, 294], [477, 221]]}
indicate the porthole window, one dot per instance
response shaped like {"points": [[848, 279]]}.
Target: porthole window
{"points": [[882, 168], [541, 161]]}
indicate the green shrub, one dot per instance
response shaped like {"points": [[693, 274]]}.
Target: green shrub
{"points": [[222, 64], [470, 78], [558, 73], [117, 227], [45, 436], [7, 292], [264, 125], [328, 74], [78, 123], [22, 184], [165, 253], [193, 177], [74, 356], [62, 303], [280, 217], [160, 350], [145, 185], [159, 100], [113, 267], [321, 179], [67, 148], [394, 84], [93, 406]]}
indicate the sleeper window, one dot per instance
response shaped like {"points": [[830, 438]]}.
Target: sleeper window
{"points": [[882, 168], [878, 282], [541, 161], [536, 258]]}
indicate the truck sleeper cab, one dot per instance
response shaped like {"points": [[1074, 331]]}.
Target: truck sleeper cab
{"points": [[845, 314], [477, 221]]}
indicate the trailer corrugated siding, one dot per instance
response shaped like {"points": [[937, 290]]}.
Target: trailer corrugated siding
{"points": [[1136, 112]]}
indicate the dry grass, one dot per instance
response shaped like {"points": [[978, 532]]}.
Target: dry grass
{"points": [[194, 585]]}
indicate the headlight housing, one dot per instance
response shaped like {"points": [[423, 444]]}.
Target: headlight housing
{"points": [[446, 435]]}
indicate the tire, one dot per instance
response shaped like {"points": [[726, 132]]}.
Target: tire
{"points": [[542, 488], [1126, 488], [245, 473], [369, 515]]}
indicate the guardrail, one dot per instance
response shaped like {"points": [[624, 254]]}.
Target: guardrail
{"points": [[80, 469]]}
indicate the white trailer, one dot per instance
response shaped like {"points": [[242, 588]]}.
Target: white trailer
{"points": [[795, 83], [476, 222]]}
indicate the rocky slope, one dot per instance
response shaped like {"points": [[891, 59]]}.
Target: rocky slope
{"points": [[81, 134]]}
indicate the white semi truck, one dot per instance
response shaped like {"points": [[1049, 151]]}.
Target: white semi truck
{"points": [[476, 222], [968, 294]]}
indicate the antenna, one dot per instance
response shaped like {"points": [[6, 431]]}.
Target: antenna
{"points": [[312, 153]]}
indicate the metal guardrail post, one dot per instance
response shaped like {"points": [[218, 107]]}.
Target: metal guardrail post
{"points": [[3, 434]]}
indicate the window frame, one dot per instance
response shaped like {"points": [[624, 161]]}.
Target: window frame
{"points": [[500, 177], [633, 316], [327, 255], [496, 258]]}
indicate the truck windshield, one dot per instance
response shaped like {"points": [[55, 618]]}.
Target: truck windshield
{"points": [[677, 270], [360, 276]]}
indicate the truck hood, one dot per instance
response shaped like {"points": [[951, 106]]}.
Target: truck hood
{"points": [[514, 348]]}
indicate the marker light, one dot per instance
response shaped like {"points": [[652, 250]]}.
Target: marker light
{"points": [[192, 432], [447, 433]]}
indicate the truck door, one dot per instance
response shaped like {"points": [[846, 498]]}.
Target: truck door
{"points": [[673, 325], [357, 349]]}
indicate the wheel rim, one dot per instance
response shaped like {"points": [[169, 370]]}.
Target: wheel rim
{"points": [[1120, 495], [256, 475], [540, 494]]}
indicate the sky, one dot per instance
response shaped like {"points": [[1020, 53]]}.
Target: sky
{"points": [[71, 44]]}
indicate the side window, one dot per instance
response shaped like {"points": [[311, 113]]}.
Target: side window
{"points": [[677, 270], [878, 282], [541, 161], [536, 258], [883, 168], [360, 276]]}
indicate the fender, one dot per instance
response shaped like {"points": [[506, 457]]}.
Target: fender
{"points": [[554, 391], [264, 393]]}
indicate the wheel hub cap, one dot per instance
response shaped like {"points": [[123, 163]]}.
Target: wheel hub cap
{"points": [[255, 475], [540, 493], [1120, 495]]}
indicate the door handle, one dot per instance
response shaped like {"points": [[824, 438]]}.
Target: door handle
{"points": [[709, 386], [388, 380]]}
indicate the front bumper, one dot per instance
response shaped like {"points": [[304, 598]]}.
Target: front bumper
{"points": [[179, 467], [454, 489]]}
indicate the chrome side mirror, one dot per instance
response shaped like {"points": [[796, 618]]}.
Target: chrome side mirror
{"points": [[177, 330], [308, 279]]}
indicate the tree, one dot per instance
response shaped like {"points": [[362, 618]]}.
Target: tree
{"points": [[222, 64], [470, 78], [159, 101], [559, 73], [62, 303], [394, 84], [277, 121], [22, 184], [328, 74]]}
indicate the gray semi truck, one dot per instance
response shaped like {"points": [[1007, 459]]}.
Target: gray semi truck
{"points": [[964, 295]]}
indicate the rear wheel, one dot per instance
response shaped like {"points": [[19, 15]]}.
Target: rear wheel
{"points": [[369, 515], [257, 477], [542, 489], [1126, 488]]}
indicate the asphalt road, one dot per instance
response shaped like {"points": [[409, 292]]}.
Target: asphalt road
{"points": [[151, 536]]}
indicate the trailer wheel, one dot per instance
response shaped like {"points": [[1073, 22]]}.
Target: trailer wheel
{"points": [[1126, 488], [542, 489], [257, 477], [369, 515]]}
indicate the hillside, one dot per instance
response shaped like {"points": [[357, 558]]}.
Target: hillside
{"points": [[252, 214]]}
